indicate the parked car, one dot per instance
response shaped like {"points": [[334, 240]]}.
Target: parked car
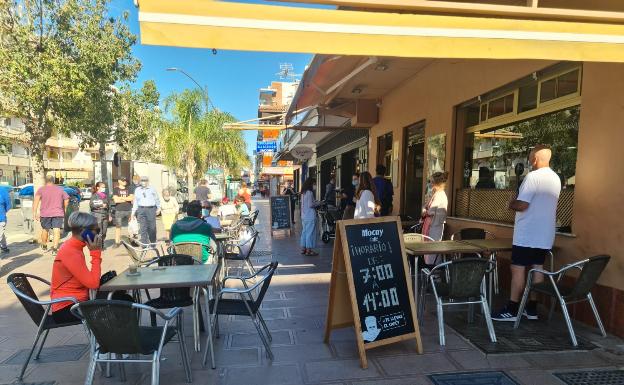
{"points": [[86, 192]]}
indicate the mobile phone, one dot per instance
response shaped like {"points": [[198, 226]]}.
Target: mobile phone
{"points": [[88, 235]]}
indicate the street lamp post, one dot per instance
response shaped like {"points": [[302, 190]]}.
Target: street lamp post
{"points": [[204, 90]]}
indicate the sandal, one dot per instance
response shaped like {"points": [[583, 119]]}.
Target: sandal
{"points": [[312, 253], [304, 251]]}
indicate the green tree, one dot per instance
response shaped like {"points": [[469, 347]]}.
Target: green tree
{"points": [[60, 60], [194, 139]]}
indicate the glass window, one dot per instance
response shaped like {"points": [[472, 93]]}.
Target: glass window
{"points": [[492, 154], [527, 98], [567, 83], [501, 106], [549, 90]]}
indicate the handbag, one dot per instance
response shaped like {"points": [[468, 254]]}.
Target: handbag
{"points": [[133, 227]]}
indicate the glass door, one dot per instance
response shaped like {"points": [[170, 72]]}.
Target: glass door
{"points": [[414, 169]]}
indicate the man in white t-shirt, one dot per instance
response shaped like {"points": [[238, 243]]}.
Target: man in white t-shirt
{"points": [[534, 229]]}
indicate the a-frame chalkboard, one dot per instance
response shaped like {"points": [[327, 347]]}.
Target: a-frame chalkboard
{"points": [[370, 285], [280, 213]]}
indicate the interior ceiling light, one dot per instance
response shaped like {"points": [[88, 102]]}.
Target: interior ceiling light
{"points": [[356, 90], [381, 67]]}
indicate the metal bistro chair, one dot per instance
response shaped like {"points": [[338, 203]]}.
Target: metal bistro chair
{"points": [[245, 305], [116, 329], [474, 233], [466, 286], [194, 249], [140, 252], [241, 249], [415, 266], [251, 219], [20, 284], [590, 271]]}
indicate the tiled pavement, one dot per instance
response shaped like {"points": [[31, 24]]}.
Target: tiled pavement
{"points": [[295, 312]]}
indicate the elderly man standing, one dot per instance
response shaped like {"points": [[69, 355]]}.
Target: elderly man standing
{"points": [[145, 208], [534, 230]]}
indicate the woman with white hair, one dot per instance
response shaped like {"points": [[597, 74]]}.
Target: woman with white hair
{"points": [[70, 275]]}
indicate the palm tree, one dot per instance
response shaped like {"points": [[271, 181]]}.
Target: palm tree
{"points": [[194, 138]]}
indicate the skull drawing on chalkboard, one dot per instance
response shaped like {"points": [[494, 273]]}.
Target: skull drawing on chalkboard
{"points": [[372, 330]]}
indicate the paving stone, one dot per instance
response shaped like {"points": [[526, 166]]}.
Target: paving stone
{"points": [[348, 349], [50, 354], [301, 353], [412, 380], [338, 370], [316, 311], [566, 359], [267, 314], [534, 377], [281, 337], [415, 364], [264, 375], [230, 357], [472, 360]]}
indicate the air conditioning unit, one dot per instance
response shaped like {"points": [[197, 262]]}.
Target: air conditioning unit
{"points": [[366, 113]]}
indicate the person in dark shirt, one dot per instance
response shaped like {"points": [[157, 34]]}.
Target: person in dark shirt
{"points": [[347, 203], [385, 191], [330, 192], [100, 208], [122, 197], [289, 190], [485, 179], [202, 192]]}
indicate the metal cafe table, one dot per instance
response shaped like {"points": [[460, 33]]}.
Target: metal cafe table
{"points": [[158, 277]]}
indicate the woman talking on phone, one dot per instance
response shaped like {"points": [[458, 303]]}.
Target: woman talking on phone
{"points": [[70, 275]]}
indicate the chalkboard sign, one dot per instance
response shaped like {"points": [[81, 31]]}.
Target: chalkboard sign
{"points": [[370, 253], [280, 213]]}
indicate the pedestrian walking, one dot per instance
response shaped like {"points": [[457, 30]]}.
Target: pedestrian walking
{"points": [[202, 191], [385, 191], [169, 208], [308, 217], [49, 208], [100, 208], [145, 208], [5, 206], [122, 197], [534, 230], [366, 203]]}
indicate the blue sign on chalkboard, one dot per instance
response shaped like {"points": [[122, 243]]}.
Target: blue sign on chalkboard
{"points": [[268, 146]]}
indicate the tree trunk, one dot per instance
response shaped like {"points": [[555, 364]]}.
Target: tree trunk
{"points": [[190, 169], [103, 165]]}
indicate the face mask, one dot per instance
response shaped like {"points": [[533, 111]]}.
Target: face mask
{"points": [[143, 184], [103, 189], [355, 182], [205, 212]]}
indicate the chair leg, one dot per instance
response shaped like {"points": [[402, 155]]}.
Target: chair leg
{"points": [[122, 368], [153, 319], [209, 341], [566, 315], [32, 349], [264, 325], [185, 358], [525, 298], [45, 336], [441, 323], [266, 344], [596, 315], [488, 319], [91, 370], [250, 267], [155, 369]]}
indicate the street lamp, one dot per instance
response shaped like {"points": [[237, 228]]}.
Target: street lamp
{"points": [[205, 91]]}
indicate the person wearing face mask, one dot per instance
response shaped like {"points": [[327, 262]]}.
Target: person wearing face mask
{"points": [[100, 207], [209, 218], [347, 203], [169, 210], [308, 217], [145, 208]]}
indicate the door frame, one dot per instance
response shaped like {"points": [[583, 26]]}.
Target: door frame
{"points": [[403, 170]]}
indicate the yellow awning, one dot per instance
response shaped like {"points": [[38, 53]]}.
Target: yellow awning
{"points": [[252, 27]]}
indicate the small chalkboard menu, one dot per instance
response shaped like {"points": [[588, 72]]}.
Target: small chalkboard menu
{"points": [[376, 296], [280, 213]]}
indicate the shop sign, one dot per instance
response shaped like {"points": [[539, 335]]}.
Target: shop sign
{"points": [[302, 152], [277, 170], [268, 146]]}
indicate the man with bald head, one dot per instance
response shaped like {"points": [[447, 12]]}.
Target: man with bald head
{"points": [[534, 229]]}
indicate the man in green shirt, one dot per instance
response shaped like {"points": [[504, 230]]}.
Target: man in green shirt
{"points": [[193, 228]]}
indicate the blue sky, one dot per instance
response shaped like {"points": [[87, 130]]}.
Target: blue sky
{"points": [[231, 77]]}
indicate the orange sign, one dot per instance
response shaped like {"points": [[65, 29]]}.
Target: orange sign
{"points": [[270, 134], [267, 159]]}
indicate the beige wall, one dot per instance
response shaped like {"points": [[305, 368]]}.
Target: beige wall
{"points": [[599, 197]]}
